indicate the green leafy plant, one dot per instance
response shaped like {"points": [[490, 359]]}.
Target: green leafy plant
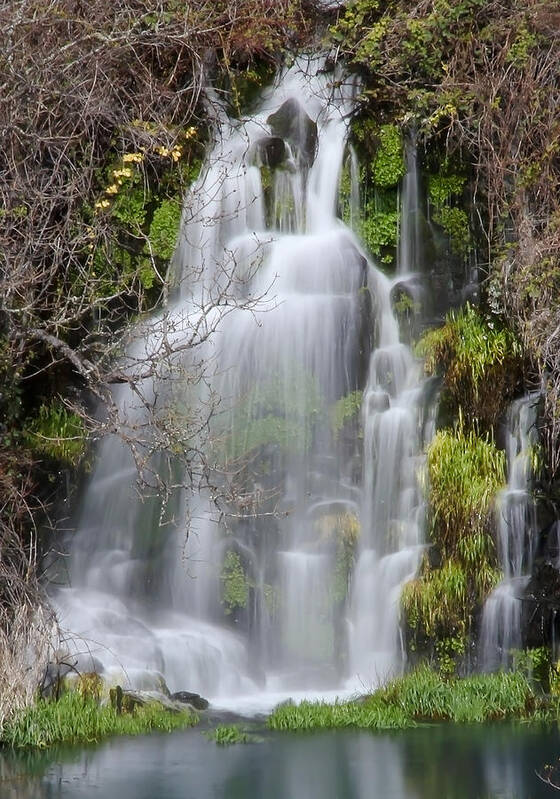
{"points": [[227, 734], [57, 433], [164, 228], [379, 229], [388, 167], [344, 410], [441, 188]]}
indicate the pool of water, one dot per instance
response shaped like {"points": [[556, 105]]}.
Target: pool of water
{"points": [[432, 762]]}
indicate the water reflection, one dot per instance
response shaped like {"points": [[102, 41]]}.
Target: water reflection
{"points": [[425, 763]]}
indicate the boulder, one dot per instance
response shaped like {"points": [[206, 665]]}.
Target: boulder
{"points": [[270, 151], [294, 125], [128, 700], [195, 700], [377, 402]]}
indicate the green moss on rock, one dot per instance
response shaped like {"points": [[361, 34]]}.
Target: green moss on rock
{"points": [[345, 410], [480, 361], [235, 585], [57, 433]]}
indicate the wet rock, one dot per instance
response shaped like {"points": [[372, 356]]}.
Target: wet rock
{"points": [[332, 57], [195, 700], [269, 151], [139, 679], [407, 295], [354, 259], [410, 303], [541, 607], [294, 125], [130, 700], [377, 402]]}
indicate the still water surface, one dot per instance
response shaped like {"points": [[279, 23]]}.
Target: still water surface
{"points": [[436, 762]]}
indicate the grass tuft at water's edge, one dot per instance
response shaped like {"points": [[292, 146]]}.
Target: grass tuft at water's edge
{"points": [[423, 695], [77, 719]]}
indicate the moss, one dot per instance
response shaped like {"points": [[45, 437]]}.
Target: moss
{"points": [[363, 130], [480, 362], [344, 410], [235, 585], [57, 433]]}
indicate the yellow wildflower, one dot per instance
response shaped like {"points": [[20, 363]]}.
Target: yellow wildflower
{"points": [[122, 173], [114, 189], [133, 158]]}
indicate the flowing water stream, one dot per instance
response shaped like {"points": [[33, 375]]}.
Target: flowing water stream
{"points": [[318, 435], [517, 526]]}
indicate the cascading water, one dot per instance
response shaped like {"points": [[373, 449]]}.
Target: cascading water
{"points": [[409, 255], [516, 522], [299, 588]]}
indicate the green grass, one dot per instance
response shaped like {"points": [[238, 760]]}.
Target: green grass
{"points": [[480, 362], [74, 719], [423, 695], [465, 471], [226, 734]]}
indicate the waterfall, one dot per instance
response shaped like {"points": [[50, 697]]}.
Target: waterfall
{"points": [[516, 524], [409, 256], [317, 443]]}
